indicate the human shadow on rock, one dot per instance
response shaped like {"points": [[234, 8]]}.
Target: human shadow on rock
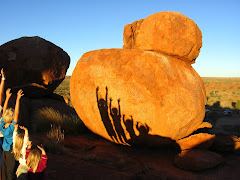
{"points": [[116, 123], [103, 109], [116, 117], [143, 137]]}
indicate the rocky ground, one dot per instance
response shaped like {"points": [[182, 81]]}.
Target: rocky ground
{"points": [[89, 156]]}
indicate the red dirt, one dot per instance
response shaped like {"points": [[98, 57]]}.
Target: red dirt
{"points": [[88, 156]]}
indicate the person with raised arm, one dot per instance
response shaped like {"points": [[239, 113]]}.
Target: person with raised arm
{"points": [[36, 162], [9, 164], [20, 142], [3, 79]]}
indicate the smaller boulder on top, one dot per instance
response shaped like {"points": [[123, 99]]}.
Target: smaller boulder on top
{"points": [[166, 32]]}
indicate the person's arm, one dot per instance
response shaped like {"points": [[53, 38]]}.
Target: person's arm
{"points": [[2, 124], [29, 145], [2, 86], [8, 95], [42, 150], [28, 149], [26, 131], [16, 111], [15, 132], [43, 163], [25, 141]]}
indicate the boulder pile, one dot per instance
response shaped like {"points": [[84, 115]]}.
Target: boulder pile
{"points": [[147, 92]]}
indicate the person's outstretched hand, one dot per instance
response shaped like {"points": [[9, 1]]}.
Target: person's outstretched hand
{"points": [[41, 148], [20, 94]]}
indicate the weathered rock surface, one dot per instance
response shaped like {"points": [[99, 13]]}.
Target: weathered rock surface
{"points": [[199, 141], [197, 160], [33, 64], [225, 143], [148, 95], [168, 32], [205, 125]]}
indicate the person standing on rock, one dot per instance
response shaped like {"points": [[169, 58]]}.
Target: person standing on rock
{"points": [[1, 102], [9, 164]]}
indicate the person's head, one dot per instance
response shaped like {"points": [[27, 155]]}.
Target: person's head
{"points": [[33, 159], [18, 146], [8, 115]]}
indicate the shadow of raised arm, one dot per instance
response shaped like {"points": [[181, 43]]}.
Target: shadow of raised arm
{"points": [[119, 109], [97, 89], [106, 99]]}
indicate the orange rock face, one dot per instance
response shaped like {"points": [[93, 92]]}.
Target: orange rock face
{"points": [[198, 141], [147, 93], [133, 96], [168, 32]]}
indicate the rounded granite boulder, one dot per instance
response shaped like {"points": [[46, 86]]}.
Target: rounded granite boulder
{"points": [[137, 97], [167, 32]]}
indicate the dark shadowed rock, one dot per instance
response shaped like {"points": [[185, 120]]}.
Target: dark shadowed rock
{"points": [[197, 160], [224, 143], [33, 64], [25, 109]]}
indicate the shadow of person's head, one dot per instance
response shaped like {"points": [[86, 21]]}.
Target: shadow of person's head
{"points": [[143, 129], [102, 103], [114, 111]]}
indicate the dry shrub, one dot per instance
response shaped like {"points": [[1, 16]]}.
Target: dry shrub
{"points": [[56, 137], [55, 134], [69, 123]]}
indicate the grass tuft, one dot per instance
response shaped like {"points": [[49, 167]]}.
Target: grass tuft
{"points": [[69, 123], [56, 137]]}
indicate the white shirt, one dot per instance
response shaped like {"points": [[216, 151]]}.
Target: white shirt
{"points": [[22, 160]]}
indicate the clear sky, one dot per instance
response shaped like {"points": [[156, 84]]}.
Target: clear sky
{"points": [[79, 26]]}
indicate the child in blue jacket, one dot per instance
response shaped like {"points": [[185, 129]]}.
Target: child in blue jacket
{"points": [[9, 164]]}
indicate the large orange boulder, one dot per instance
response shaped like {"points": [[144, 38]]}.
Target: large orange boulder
{"points": [[33, 64], [167, 32], [131, 96]]}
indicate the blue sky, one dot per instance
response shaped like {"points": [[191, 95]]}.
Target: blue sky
{"points": [[79, 26]]}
